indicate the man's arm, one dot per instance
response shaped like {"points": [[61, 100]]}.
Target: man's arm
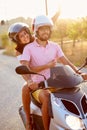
{"points": [[39, 68], [65, 61]]}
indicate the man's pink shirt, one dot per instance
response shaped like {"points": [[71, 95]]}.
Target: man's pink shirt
{"points": [[38, 55]]}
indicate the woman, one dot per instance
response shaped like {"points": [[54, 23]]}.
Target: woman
{"points": [[20, 34], [15, 33]]}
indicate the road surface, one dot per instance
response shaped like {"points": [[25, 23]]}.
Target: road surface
{"points": [[10, 94]]}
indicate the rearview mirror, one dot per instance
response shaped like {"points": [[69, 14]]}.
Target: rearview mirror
{"points": [[23, 70]]}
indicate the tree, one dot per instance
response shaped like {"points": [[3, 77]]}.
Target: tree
{"points": [[60, 29], [2, 22], [73, 31], [84, 27]]}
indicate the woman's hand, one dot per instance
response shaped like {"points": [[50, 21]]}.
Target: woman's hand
{"points": [[32, 85]]}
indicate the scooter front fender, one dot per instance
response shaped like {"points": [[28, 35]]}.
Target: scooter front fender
{"points": [[85, 122]]}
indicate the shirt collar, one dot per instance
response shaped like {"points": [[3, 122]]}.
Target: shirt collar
{"points": [[36, 44]]}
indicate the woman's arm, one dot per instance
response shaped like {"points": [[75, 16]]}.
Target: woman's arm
{"points": [[56, 16], [18, 55], [26, 77]]}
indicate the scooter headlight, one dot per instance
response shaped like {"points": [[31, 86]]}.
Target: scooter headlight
{"points": [[74, 123]]}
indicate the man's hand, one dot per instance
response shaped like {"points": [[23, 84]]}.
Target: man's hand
{"points": [[84, 76], [52, 63]]}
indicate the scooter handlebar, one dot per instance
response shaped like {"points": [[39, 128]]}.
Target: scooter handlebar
{"points": [[84, 76]]}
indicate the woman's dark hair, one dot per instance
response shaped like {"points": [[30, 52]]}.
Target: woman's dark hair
{"points": [[28, 31]]}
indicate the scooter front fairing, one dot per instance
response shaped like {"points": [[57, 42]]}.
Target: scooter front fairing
{"points": [[68, 110], [69, 103]]}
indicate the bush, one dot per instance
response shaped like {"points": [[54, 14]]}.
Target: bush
{"points": [[8, 45], [10, 49], [4, 41]]}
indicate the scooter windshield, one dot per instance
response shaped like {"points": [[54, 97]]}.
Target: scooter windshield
{"points": [[63, 76]]}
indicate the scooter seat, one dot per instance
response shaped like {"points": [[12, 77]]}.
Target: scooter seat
{"points": [[68, 90]]}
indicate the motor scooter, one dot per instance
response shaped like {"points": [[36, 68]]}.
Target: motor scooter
{"points": [[68, 103]]}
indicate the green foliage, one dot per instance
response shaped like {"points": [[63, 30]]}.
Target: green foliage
{"points": [[8, 45], [74, 31], [60, 30], [70, 29], [84, 27]]}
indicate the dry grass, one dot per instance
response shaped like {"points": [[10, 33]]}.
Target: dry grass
{"points": [[10, 50], [76, 54]]}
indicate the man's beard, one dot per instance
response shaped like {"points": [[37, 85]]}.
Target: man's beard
{"points": [[43, 38]]}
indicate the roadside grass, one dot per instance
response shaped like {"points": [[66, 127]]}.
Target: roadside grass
{"points": [[76, 54], [10, 50]]}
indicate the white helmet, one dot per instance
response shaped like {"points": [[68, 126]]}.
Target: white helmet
{"points": [[41, 20]]}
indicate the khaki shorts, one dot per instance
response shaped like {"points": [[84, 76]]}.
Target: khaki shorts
{"points": [[36, 93]]}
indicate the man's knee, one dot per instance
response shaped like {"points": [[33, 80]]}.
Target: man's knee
{"points": [[46, 93], [44, 96]]}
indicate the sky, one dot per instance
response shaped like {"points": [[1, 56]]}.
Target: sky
{"points": [[10, 9]]}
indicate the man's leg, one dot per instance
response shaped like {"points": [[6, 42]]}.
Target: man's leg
{"points": [[44, 97], [26, 99]]}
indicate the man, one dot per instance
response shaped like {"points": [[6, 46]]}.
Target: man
{"points": [[40, 56]]}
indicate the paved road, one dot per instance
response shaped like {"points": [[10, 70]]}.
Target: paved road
{"points": [[10, 94]]}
